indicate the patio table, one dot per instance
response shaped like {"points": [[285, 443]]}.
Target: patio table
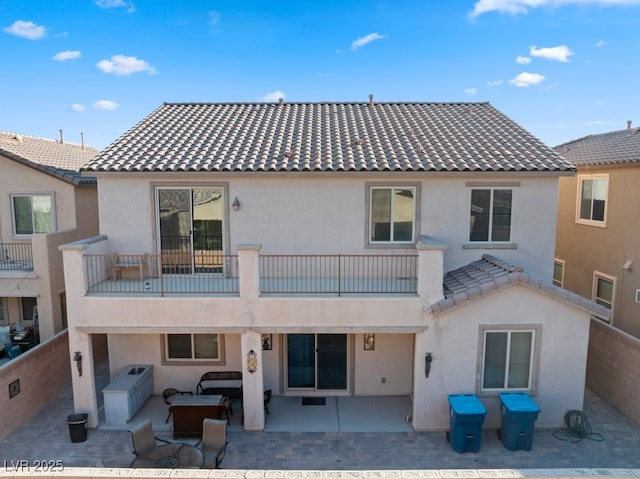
{"points": [[171, 456]]}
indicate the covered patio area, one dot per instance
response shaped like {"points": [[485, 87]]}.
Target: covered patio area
{"points": [[288, 414]]}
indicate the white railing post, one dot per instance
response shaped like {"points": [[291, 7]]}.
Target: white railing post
{"points": [[249, 270], [430, 270]]}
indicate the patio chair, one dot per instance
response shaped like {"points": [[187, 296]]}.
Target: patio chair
{"points": [[169, 394], [214, 442], [267, 399], [143, 438]]}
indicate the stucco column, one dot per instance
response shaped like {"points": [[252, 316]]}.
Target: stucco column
{"points": [[84, 389], [430, 270], [249, 271], [252, 382], [427, 390]]}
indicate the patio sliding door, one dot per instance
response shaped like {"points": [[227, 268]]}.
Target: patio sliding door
{"points": [[190, 223], [317, 362]]}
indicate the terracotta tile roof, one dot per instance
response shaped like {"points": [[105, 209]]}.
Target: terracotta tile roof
{"points": [[490, 274], [328, 137], [622, 146], [61, 160]]}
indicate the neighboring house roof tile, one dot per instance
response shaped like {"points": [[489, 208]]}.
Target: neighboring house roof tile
{"points": [[622, 146], [490, 274], [328, 137], [61, 160]]}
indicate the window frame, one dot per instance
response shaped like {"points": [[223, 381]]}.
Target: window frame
{"points": [[535, 330], [590, 221], [492, 189], [599, 300], [561, 263], [370, 187], [14, 225], [220, 360]]}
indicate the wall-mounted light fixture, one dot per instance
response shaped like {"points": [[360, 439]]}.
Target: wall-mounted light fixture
{"points": [[236, 204], [77, 357], [252, 361], [428, 359]]}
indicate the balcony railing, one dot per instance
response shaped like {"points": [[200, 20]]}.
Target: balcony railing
{"points": [[16, 256], [279, 274], [167, 273], [338, 274]]}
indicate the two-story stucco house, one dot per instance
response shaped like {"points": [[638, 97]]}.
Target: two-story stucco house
{"points": [[598, 237], [362, 241], [44, 202]]}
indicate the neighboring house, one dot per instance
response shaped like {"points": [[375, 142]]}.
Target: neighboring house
{"points": [[306, 245], [598, 238], [44, 202]]}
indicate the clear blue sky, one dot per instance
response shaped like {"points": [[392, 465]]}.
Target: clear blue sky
{"points": [[563, 69]]}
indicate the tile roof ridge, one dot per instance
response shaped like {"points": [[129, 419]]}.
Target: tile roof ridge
{"points": [[502, 264], [596, 136]]}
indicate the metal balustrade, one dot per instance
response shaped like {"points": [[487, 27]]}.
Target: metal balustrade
{"points": [[16, 256], [209, 273]]}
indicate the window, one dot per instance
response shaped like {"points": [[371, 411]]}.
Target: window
{"points": [[603, 290], [29, 309], [392, 214], [193, 347], [592, 199], [507, 359], [490, 216], [32, 214], [558, 272]]}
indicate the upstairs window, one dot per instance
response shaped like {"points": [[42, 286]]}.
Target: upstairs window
{"points": [[392, 215], [32, 214], [603, 290], [592, 199], [558, 272], [490, 215]]}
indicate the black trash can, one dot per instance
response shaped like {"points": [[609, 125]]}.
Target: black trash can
{"points": [[77, 427]]}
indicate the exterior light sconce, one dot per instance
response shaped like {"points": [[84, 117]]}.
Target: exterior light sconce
{"points": [[77, 357], [252, 361], [236, 204], [428, 359]]}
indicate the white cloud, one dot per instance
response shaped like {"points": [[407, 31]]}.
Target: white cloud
{"points": [[515, 7], [28, 30], [121, 65], [107, 4], [560, 53], [523, 60], [495, 83], [105, 105], [471, 91], [601, 43], [214, 18], [67, 55], [77, 107], [272, 97], [362, 41], [526, 79]]}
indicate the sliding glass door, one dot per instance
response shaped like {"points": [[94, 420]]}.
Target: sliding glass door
{"points": [[317, 361], [190, 224]]}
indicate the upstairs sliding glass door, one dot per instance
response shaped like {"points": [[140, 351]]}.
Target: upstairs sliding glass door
{"points": [[190, 224]]}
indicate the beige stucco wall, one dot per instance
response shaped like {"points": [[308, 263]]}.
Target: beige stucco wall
{"points": [[586, 249], [453, 340], [76, 216], [323, 213]]}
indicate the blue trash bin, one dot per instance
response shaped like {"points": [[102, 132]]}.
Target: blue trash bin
{"points": [[519, 414], [466, 416]]}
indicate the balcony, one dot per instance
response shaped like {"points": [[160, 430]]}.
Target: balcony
{"points": [[16, 257], [217, 274]]}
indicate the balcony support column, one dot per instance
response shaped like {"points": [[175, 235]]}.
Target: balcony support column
{"points": [[430, 270], [252, 381], [249, 271]]}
